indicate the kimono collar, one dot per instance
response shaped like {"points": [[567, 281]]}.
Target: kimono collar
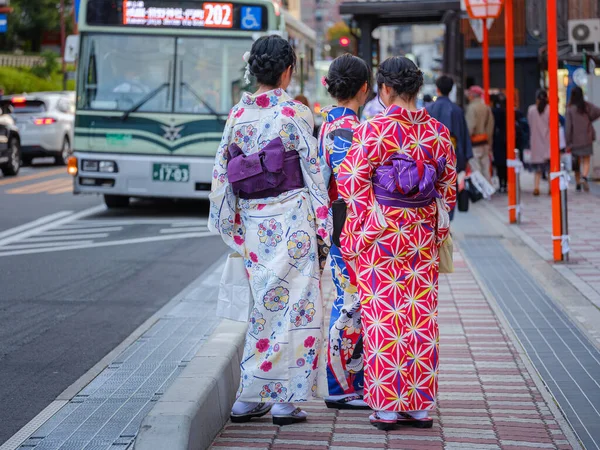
{"points": [[337, 112], [266, 99], [418, 117]]}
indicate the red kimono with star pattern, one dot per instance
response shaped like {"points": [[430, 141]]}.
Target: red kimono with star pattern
{"points": [[396, 255]]}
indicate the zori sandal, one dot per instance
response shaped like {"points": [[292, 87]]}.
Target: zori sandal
{"points": [[407, 419], [381, 423], [260, 410]]}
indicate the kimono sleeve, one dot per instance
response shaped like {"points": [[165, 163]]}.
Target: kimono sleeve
{"points": [[446, 184], [311, 171], [223, 217], [365, 221]]}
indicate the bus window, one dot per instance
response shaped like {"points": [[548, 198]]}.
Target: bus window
{"points": [[119, 72], [210, 74]]}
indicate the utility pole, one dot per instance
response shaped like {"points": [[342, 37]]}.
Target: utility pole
{"points": [[62, 43]]}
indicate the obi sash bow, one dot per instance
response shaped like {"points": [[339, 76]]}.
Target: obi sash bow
{"points": [[404, 182], [267, 173]]}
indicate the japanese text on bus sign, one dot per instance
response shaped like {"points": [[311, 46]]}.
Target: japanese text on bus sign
{"points": [[212, 15]]}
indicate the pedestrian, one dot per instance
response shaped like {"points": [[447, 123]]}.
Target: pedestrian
{"points": [[373, 106], [480, 121], [580, 134], [538, 117], [268, 203], [304, 100], [399, 170], [452, 115], [499, 141], [427, 100], [348, 82]]}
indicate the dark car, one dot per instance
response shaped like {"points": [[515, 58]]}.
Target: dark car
{"points": [[10, 145]]}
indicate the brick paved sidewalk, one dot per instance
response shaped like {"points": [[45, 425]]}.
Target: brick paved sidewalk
{"points": [[584, 211], [487, 398]]}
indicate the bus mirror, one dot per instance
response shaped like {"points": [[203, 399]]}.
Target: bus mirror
{"points": [[72, 48]]}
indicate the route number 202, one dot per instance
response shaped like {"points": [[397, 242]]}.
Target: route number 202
{"points": [[218, 15]]}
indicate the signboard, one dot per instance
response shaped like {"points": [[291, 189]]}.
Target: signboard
{"points": [[477, 26], [3, 23], [170, 14]]}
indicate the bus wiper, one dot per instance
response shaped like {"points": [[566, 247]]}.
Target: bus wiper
{"points": [[143, 101], [201, 100]]}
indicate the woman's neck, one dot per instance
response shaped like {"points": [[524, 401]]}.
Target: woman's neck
{"points": [[352, 104], [262, 89], [408, 105]]}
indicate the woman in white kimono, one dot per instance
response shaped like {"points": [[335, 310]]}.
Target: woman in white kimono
{"points": [[269, 203]]}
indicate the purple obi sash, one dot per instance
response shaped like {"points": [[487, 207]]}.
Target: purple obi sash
{"points": [[268, 173], [403, 182]]}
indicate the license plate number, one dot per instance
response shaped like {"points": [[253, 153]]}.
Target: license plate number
{"points": [[177, 173]]}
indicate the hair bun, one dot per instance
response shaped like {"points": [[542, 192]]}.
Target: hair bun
{"points": [[347, 75], [402, 75]]}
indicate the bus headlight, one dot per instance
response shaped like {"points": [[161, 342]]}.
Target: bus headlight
{"points": [[108, 166]]}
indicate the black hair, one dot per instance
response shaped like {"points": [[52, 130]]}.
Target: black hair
{"points": [[541, 96], [427, 98], [402, 75], [347, 74], [270, 57], [445, 84], [578, 100]]}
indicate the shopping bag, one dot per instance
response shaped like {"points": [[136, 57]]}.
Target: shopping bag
{"points": [[235, 297], [472, 191], [482, 184], [446, 258]]}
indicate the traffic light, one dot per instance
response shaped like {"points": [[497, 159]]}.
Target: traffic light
{"points": [[344, 41]]}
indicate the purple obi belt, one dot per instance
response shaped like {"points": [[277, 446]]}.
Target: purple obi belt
{"points": [[268, 173], [403, 182]]}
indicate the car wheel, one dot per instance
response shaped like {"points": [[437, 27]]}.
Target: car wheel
{"points": [[63, 157], [11, 168], [116, 201]]}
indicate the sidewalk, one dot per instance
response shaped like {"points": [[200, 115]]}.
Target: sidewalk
{"points": [[489, 395]]}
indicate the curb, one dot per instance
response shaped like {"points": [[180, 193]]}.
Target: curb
{"points": [[197, 405]]}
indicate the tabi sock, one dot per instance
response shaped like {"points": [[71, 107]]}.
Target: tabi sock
{"points": [[387, 415], [241, 408], [286, 409]]}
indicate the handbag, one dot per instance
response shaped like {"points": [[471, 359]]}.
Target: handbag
{"points": [[339, 211], [445, 252], [472, 191], [235, 296]]}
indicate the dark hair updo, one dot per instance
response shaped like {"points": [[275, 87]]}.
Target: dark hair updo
{"points": [[402, 75], [347, 75], [541, 97], [270, 57]]}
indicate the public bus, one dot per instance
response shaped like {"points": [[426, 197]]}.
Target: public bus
{"points": [[156, 80]]}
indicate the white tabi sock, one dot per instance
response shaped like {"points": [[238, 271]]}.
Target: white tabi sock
{"points": [[387, 415], [241, 408], [285, 409]]}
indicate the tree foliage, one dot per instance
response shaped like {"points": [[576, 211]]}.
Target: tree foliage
{"points": [[334, 33]]}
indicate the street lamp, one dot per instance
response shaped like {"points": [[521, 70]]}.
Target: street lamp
{"points": [[484, 10]]}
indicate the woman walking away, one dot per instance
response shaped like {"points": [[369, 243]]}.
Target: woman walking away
{"points": [[398, 172], [348, 82], [538, 117], [268, 203], [580, 134]]}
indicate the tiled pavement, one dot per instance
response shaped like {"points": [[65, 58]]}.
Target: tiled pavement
{"points": [[487, 398]]}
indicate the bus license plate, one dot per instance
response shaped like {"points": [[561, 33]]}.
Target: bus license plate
{"points": [[177, 173]]}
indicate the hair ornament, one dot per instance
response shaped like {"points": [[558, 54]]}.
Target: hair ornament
{"points": [[246, 59]]}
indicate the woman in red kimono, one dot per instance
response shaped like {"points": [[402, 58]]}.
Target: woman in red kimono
{"points": [[399, 170]]}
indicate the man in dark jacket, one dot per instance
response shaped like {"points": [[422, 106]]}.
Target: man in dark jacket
{"points": [[452, 115]]}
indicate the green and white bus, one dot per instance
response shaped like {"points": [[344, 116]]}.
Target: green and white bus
{"points": [[155, 82]]}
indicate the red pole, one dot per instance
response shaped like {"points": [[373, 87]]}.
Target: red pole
{"points": [[553, 104], [510, 108], [486, 64]]}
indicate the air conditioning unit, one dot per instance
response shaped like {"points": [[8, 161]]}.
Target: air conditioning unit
{"points": [[584, 34]]}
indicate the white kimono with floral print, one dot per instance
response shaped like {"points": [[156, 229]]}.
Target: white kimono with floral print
{"points": [[277, 238]]}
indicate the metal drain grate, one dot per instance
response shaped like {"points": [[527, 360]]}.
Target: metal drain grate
{"points": [[567, 361]]}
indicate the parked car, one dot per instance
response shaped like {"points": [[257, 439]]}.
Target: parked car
{"points": [[46, 121], [10, 146]]}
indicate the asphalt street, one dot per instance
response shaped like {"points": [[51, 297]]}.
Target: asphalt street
{"points": [[74, 287]]}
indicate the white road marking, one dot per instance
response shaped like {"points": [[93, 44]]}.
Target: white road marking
{"points": [[42, 244], [66, 238], [107, 244], [69, 232], [182, 230], [34, 224], [118, 222], [54, 224]]}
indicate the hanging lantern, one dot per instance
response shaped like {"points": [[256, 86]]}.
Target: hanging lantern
{"points": [[484, 9]]}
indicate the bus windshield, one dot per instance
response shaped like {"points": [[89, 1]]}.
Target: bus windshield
{"points": [[201, 75]]}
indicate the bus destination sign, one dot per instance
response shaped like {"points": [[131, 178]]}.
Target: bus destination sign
{"points": [[177, 14], [211, 15]]}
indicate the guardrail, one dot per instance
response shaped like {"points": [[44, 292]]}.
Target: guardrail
{"points": [[20, 60]]}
